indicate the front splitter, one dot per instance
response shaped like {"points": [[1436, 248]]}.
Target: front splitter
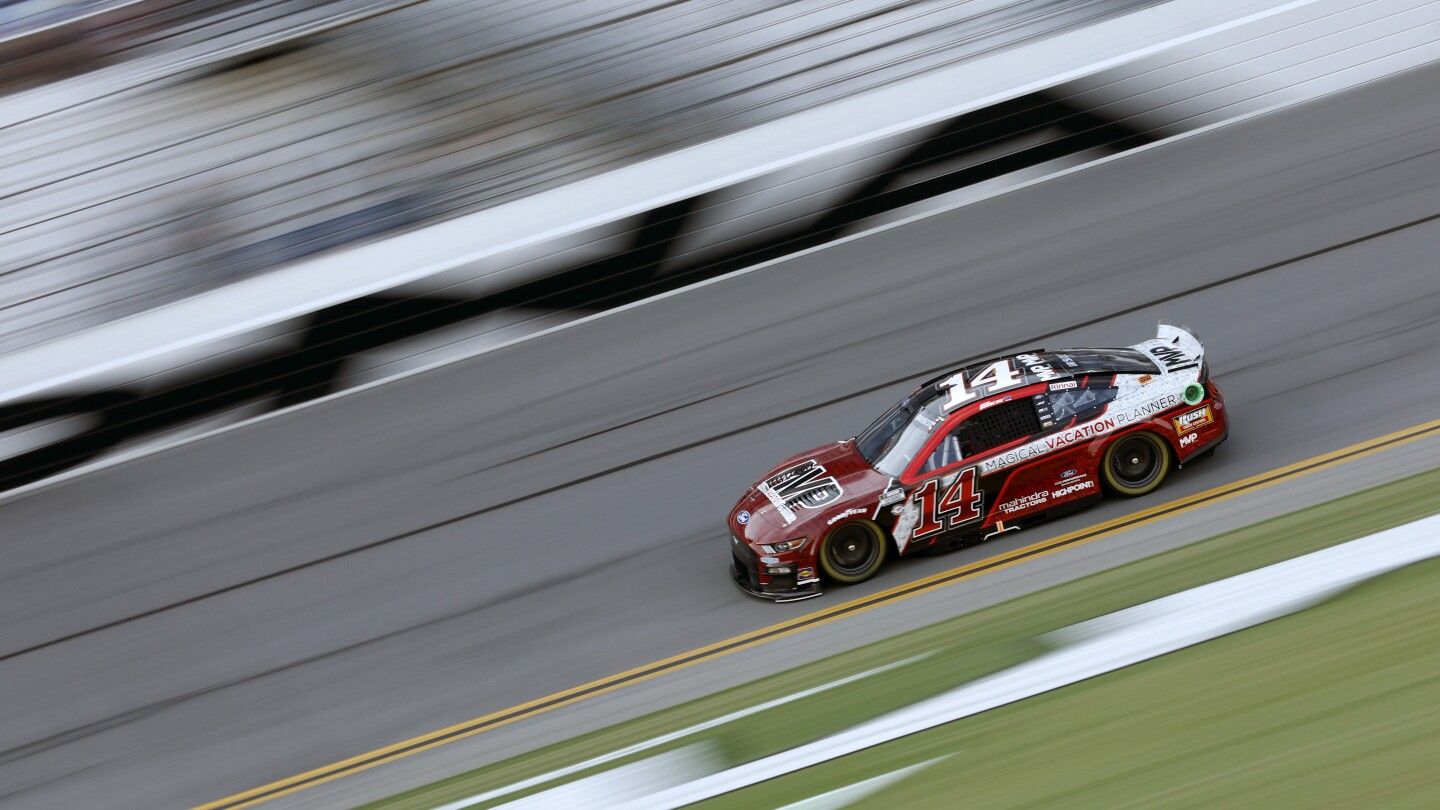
{"points": [[809, 592]]}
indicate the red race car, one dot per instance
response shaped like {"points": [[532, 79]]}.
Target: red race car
{"points": [[986, 449]]}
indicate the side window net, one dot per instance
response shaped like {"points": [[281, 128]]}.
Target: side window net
{"points": [[1001, 424]]}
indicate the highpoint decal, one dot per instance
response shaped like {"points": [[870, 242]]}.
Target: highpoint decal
{"points": [[1071, 489]]}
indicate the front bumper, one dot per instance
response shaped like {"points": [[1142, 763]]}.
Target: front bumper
{"points": [[745, 569]]}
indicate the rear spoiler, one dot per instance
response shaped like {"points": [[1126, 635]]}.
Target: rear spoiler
{"points": [[1175, 349]]}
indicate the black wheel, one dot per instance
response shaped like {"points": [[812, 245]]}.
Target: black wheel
{"points": [[1136, 464], [853, 552]]}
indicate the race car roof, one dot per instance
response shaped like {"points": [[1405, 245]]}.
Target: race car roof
{"points": [[1070, 363], [1102, 361]]}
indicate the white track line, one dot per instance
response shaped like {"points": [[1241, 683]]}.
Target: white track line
{"points": [[848, 795], [663, 739], [1103, 645]]}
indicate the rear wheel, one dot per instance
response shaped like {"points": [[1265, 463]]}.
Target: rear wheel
{"points": [[853, 552], [1135, 464]]}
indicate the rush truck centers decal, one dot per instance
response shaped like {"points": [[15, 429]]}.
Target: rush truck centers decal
{"points": [[1200, 417]]}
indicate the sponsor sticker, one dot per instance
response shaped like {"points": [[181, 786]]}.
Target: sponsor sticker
{"points": [[1187, 440], [742, 517], [1037, 367], [1025, 502], [1154, 406], [894, 495], [1198, 418], [804, 485], [842, 515], [1063, 386], [1080, 433], [1173, 359], [1071, 489], [1144, 379], [1068, 474]]}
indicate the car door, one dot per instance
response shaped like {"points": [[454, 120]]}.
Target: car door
{"points": [[949, 496], [1035, 474]]}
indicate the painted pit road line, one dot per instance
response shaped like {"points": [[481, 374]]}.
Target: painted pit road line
{"points": [[477, 725]]}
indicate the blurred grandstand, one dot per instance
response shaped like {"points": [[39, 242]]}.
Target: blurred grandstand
{"points": [[156, 149]]}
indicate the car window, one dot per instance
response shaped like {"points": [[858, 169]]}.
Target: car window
{"points": [[893, 440], [946, 453], [1106, 361], [1063, 407], [997, 425]]}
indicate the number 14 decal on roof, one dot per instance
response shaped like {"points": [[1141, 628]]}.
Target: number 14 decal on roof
{"points": [[997, 376], [961, 504]]}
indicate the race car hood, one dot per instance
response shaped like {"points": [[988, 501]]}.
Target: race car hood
{"points": [[800, 494]]}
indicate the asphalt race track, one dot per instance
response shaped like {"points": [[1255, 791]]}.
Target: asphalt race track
{"points": [[349, 574]]}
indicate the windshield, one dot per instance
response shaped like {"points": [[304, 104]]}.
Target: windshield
{"points": [[893, 439]]}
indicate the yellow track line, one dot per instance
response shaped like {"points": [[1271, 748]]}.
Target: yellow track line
{"points": [[468, 728]]}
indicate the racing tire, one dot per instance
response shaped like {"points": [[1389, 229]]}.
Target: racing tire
{"points": [[1136, 464], [853, 552]]}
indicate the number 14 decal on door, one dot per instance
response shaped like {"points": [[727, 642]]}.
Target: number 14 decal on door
{"points": [[960, 504]]}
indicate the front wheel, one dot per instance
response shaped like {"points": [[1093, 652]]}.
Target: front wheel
{"points": [[1136, 464], [853, 552]]}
